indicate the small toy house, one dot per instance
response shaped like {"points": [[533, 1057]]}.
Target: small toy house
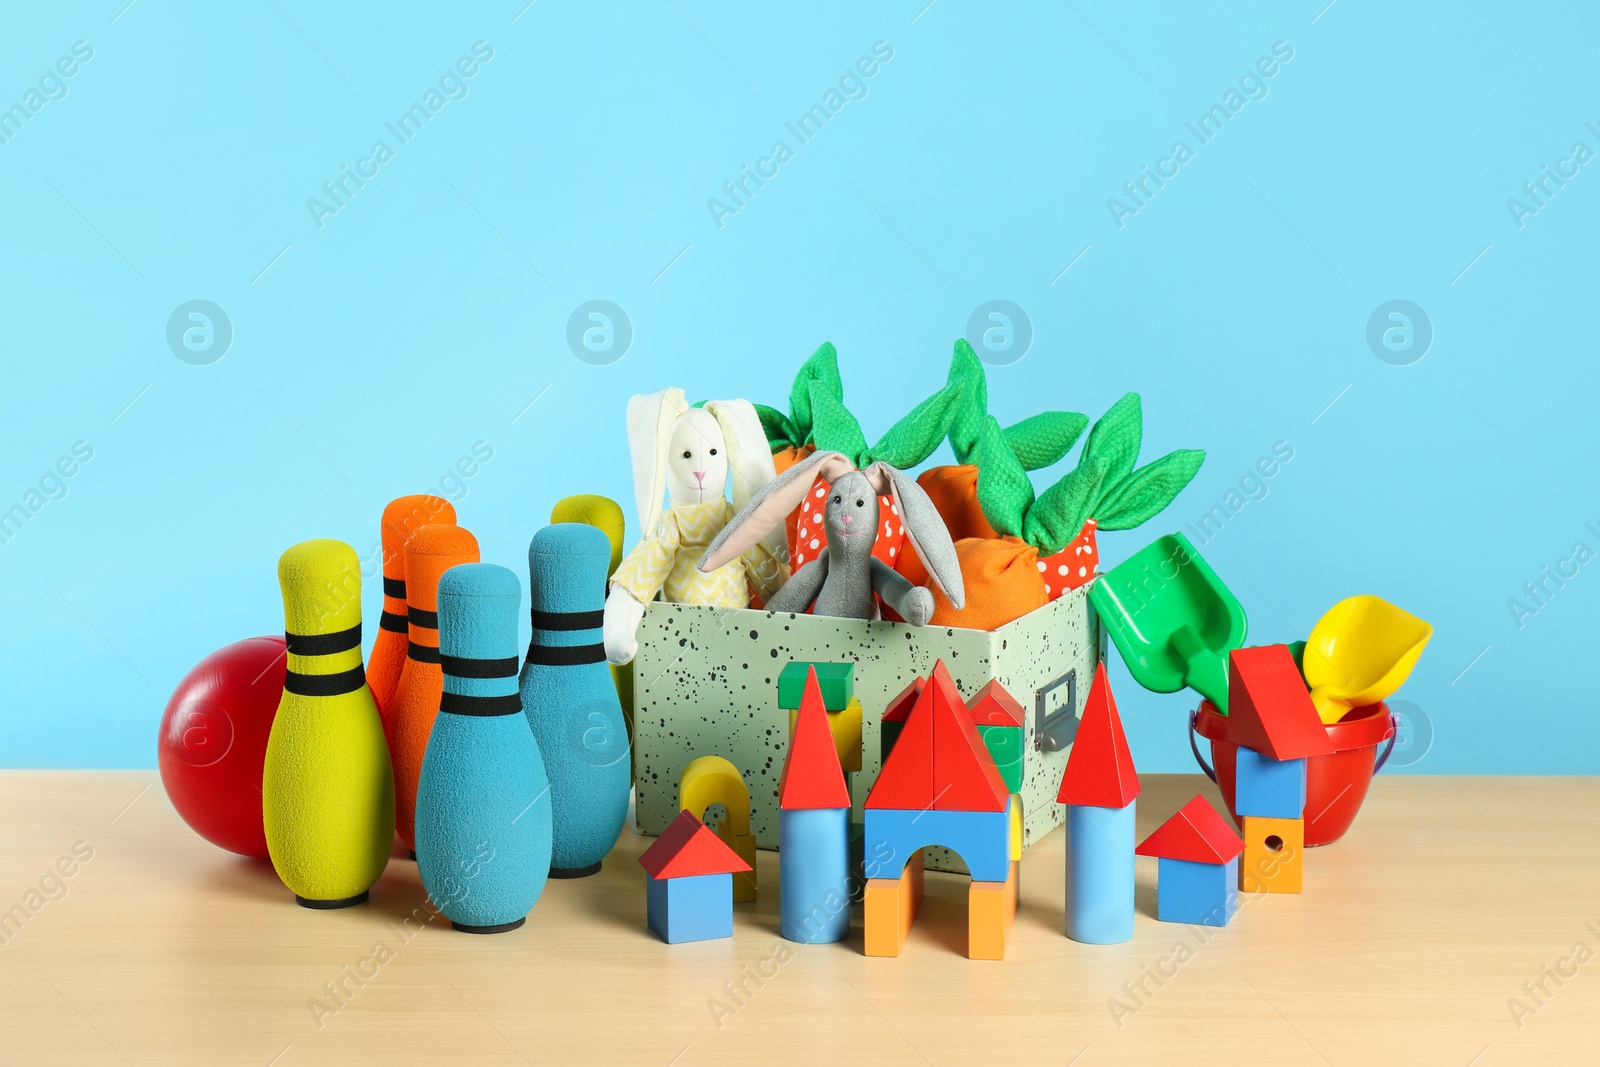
{"points": [[711, 780], [836, 683], [939, 786], [690, 887], [1100, 789], [999, 720], [813, 830], [1198, 876], [1277, 728]]}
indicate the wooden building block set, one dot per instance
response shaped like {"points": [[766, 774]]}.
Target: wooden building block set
{"points": [[807, 648]]}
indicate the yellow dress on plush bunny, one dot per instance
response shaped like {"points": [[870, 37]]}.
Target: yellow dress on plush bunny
{"points": [[692, 455]]}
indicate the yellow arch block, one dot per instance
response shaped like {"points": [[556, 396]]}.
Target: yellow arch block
{"points": [[713, 780]]}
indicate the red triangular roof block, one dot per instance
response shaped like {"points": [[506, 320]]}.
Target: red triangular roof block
{"points": [[1269, 708], [1196, 833], [906, 780], [964, 775], [1100, 768], [939, 762], [993, 706], [901, 706], [688, 847], [812, 777]]}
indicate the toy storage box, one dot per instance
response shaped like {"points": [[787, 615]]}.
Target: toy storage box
{"points": [[705, 683]]}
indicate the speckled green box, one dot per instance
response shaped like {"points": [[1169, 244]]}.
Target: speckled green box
{"points": [[705, 683]]}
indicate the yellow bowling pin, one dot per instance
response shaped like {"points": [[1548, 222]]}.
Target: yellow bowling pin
{"points": [[327, 790]]}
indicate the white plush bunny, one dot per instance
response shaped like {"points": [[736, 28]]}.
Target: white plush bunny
{"points": [[693, 456]]}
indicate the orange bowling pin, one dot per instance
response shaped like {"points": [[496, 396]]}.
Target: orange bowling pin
{"points": [[403, 517], [431, 551]]}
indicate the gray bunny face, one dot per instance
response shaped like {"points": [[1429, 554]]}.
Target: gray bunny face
{"points": [[850, 515]]}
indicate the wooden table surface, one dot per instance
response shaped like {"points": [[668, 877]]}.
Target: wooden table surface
{"points": [[1414, 939]]}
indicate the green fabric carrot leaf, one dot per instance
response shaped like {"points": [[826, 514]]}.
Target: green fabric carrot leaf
{"points": [[967, 425], [905, 444], [1145, 492], [1116, 437], [1038, 441], [1006, 494], [1104, 486], [1063, 508], [1042, 439], [1004, 490], [833, 428], [796, 430], [1127, 497]]}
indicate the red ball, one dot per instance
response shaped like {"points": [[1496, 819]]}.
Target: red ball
{"points": [[213, 742]]}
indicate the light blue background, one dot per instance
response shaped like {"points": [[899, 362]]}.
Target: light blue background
{"points": [[371, 353]]}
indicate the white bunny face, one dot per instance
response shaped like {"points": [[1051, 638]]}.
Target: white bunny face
{"points": [[697, 459]]}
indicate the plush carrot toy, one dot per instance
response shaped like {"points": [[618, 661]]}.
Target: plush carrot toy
{"points": [[1047, 544]]}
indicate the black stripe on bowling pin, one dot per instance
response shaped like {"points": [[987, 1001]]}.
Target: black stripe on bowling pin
{"points": [[324, 685], [566, 655], [393, 621], [464, 667], [428, 620]]}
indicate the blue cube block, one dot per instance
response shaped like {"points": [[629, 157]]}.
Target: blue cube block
{"points": [[1263, 786], [695, 908], [1204, 894]]}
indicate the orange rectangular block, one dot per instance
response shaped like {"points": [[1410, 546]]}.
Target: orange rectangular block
{"points": [[1274, 855], [991, 911], [889, 907]]}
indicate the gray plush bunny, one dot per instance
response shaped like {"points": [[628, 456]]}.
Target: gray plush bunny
{"points": [[842, 582]]}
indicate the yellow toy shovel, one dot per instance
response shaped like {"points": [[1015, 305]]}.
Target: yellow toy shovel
{"points": [[1359, 653]]}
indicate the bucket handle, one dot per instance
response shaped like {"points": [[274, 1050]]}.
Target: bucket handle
{"points": [[1394, 735], [1194, 717]]}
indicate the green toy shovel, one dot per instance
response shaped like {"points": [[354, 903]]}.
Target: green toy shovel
{"points": [[1172, 619]]}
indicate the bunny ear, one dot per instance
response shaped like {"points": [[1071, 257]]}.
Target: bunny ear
{"points": [[750, 467], [768, 508], [749, 456], [925, 529], [651, 417]]}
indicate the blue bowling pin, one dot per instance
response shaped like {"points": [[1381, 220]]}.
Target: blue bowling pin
{"points": [[483, 799], [570, 700]]}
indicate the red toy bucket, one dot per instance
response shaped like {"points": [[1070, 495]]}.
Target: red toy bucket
{"points": [[1336, 784]]}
